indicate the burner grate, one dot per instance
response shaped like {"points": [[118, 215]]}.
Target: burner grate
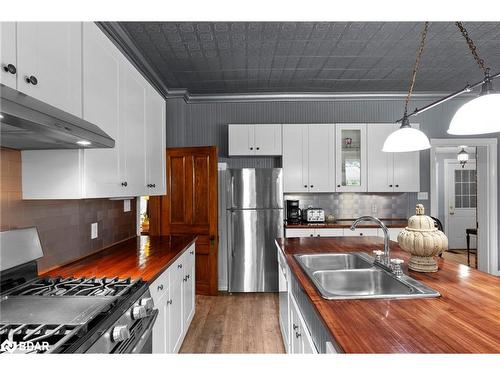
{"points": [[74, 287]]}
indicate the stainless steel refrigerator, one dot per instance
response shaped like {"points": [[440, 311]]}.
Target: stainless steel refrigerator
{"points": [[254, 220]]}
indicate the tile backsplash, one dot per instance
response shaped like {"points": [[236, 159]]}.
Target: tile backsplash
{"points": [[63, 225], [352, 205]]}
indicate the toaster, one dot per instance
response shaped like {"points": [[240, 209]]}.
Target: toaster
{"points": [[313, 215]]}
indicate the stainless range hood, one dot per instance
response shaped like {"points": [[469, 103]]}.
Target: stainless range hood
{"points": [[29, 124]]}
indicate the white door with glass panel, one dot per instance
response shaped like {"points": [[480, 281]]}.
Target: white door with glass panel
{"points": [[350, 147], [461, 197]]}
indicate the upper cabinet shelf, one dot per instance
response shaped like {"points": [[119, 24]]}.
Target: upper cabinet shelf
{"points": [[254, 139]]}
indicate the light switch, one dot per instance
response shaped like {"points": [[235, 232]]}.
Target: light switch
{"points": [[126, 205], [93, 231], [423, 196]]}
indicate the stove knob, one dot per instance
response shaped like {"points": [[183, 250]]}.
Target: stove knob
{"points": [[120, 333], [147, 303], [139, 312]]}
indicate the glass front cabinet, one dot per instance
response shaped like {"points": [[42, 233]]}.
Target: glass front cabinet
{"points": [[351, 162]]}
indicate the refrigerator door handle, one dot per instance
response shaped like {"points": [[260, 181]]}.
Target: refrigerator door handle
{"points": [[231, 192]]}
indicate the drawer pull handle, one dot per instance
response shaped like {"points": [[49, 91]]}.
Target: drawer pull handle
{"points": [[160, 287], [295, 326], [169, 302], [179, 265], [297, 335], [191, 252], [32, 80]]}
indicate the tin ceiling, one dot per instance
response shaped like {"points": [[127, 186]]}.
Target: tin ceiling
{"points": [[288, 57]]}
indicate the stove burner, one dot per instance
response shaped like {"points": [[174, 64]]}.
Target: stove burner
{"points": [[74, 287]]}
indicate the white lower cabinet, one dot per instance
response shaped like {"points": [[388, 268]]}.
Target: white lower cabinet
{"points": [[300, 339], [173, 295]]}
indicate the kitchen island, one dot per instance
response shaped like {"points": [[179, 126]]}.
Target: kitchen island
{"points": [[465, 319]]}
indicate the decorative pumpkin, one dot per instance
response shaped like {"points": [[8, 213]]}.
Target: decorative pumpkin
{"points": [[423, 241]]}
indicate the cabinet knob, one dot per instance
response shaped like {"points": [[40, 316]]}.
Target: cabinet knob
{"points": [[305, 186], [338, 185], [10, 69], [318, 235], [124, 183], [311, 235], [390, 185], [32, 80], [295, 326], [258, 148], [251, 148], [361, 234], [397, 185], [312, 186]]}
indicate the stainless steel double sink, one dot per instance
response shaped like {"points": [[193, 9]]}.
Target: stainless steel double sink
{"points": [[355, 276]]}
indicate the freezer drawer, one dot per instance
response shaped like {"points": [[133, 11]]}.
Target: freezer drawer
{"points": [[253, 264]]}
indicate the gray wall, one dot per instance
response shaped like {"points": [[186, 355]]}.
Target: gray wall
{"points": [[200, 124]]}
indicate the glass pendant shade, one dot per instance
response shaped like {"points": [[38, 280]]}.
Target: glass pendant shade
{"points": [[406, 139], [479, 116]]}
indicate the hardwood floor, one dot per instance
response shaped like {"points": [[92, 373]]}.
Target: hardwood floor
{"points": [[460, 256], [235, 323]]}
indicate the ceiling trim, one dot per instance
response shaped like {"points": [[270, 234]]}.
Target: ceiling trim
{"points": [[120, 37]]}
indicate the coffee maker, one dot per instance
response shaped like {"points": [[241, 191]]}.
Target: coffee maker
{"points": [[293, 212]]}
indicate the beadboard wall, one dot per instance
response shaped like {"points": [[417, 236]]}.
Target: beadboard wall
{"points": [[63, 225]]}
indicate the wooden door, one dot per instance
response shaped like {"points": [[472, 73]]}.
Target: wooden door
{"points": [[190, 207]]}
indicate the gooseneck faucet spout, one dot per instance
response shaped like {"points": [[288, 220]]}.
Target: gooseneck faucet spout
{"points": [[386, 259]]}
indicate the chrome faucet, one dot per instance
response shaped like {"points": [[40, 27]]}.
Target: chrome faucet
{"points": [[385, 259]]}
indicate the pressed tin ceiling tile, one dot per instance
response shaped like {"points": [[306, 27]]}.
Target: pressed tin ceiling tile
{"points": [[311, 56]]}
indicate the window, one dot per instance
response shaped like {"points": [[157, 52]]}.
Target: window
{"points": [[465, 189]]}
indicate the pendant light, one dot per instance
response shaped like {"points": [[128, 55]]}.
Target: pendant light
{"points": [[406, 138], [481, 115], [463, 156]]}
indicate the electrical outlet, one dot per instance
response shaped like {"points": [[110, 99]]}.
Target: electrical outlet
{"points": [[374, 209], [93, 231], [423, 196], [126, 205]]}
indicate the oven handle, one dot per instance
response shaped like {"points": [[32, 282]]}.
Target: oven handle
{"points": [[147, 332]]}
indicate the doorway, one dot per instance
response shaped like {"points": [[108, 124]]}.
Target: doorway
{"points": [[464, 198]]}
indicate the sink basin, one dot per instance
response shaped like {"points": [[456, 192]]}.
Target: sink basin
{"points": [[335, 261], [354, 276]]}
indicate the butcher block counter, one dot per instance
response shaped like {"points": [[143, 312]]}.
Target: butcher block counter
{"points": [[465, 319], [143, 257]]}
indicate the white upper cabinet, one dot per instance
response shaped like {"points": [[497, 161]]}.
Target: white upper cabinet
{"points": [[321, 158], [118, 99], [390, 172], [101, 67], [308, 157], [254, 139], [8, 59], [49, 63], [295, 158], [155, 143], [351, 163]]}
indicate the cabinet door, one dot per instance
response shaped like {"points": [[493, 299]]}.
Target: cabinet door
{"points": [[329, 232], [361, 232], [321, 158], [131, 132], [101, 67], [241, 139], [189, 283], [160, 338], [295, 333], [380, 164], [407, 170], [155, 143], [267, 139], [51, 52], [293, 233], [350, 145], [176, 321], [295, 158], [8, 59]]}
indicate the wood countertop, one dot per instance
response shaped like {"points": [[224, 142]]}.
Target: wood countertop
{"points": [[465, 319], [390, 223], [143, 257]]}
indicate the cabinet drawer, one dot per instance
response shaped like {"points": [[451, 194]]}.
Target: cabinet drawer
{"points": [[159, 287], [361, 232], [329, 232], [292, 233]]}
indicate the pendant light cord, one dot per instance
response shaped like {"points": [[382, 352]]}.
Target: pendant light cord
{"points": [[473, 48], [423, 35]]}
